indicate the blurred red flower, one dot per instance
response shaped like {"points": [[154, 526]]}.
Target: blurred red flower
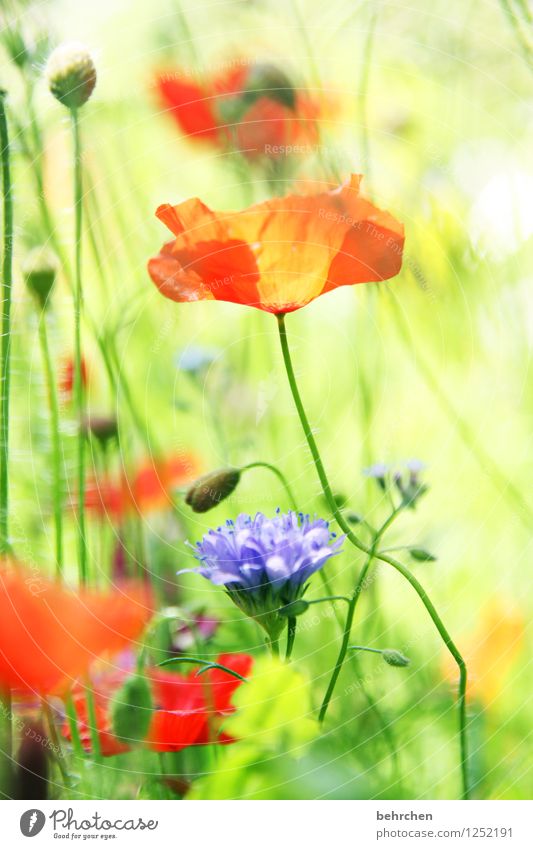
{"points": [[251, 106], [277, 255], [66, 376], [188, 710], [50, 636], [148, 487]]}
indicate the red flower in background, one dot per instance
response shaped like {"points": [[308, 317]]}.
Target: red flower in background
{"points": [[148, 487], [188, 710], [50, 636], [66, 376], [255, 107]]}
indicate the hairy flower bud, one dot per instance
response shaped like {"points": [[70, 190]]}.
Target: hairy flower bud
{"points": [[209, 490], [71, 74], [394, 657], [40, 269], [131, 710]]}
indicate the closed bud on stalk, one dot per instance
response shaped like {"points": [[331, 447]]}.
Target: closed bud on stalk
{"points": [[422, 555], [71, 74], [39, 270], [394, 657], [103, 428], [131, 710], [209, 490]]}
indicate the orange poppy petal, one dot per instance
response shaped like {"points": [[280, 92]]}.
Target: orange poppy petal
{"points": [[189, 105], [50, 636], [278, 255], [371, 250]]}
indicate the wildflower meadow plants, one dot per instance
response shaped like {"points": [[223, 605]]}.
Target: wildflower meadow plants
{"points": [[218, 578]]}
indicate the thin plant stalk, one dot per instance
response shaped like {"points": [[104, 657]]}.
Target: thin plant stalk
{"points": [[78, 377], [351, 611], [55, 436], [7, 282], [372, 553], [280, 476]]}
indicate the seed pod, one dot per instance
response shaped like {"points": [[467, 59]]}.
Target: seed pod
{"points": [[39, 270], [208, 491], [71, 74], [131, 710], [394, 657]]}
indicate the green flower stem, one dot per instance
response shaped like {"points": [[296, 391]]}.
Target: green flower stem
{"points": [[72, 718], [371, 553], [366, 648], [7, 282], [291, 636], [57, 743], [274, 646], [78, 379], [35, 164], [279, 474], [56, 442], [345, 638], [93, 723]]}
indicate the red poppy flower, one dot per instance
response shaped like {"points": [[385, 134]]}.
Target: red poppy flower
{"points": [[271, 129], [50, 636], [183, 701], [148, 487], [66, 376], [278, 255], [253, 106], [188, 710]]}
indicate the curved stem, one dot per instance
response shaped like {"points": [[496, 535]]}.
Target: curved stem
{"points": [[279, 474], [57, 488], [7, 282], [78, 379], [371, 552]]}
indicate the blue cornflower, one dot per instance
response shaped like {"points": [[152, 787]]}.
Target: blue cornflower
{"points": [[195, 359], [266, 563]]}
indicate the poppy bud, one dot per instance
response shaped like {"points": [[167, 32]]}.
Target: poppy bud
{"points": [[209, 490], [39, 269], [295, 608], [394, 657], [71, 74], [131, 710], [103, 428], [354, 518], [265, 80], [422, 555]]}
